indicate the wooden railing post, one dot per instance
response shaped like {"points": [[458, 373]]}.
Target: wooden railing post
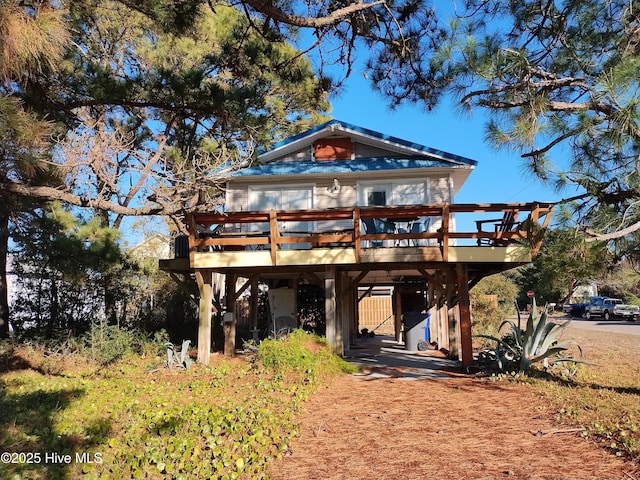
{"points": [[191, 222], [446, 213], [274, 234], [356, 233]]}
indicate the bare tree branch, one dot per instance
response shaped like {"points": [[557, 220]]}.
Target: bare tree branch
{"points": [[51, 193], [611, 236], [267, 8]]}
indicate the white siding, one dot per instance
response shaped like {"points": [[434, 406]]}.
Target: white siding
{"points": [[439, 189], [304, 154], [362, 150], [237, 199]]}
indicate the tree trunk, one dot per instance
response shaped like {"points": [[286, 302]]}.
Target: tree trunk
{"points": [[54, 308], [109, 282], [4, 283]]}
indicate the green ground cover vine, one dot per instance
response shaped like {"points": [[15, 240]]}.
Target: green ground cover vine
{"points": [[228, 420]]}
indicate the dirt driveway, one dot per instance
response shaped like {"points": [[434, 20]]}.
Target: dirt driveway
{"points": [[456, 427]]}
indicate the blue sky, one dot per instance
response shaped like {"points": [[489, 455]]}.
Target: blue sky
{"points": [[500, 175]]}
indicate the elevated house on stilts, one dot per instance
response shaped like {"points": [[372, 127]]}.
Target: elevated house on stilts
{"points": [[350, 209]]}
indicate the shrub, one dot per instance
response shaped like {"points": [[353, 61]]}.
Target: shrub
{"points": [[301, 351], [487, 315], [105, 344]]}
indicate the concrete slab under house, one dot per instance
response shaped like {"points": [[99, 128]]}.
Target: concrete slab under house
{"points": [[353, 211]]}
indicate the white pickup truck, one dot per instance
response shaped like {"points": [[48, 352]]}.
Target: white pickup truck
{"points": [[628, 312]]}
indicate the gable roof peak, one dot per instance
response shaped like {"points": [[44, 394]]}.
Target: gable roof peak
{"points": [[361, 134]]}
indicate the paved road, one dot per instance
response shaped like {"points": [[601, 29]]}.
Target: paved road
{"points": [[616, 326]]}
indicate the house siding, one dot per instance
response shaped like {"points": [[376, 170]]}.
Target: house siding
{"points": [[362, 150], [304, 154], [437, 190], [440, 193], [237, 197]]}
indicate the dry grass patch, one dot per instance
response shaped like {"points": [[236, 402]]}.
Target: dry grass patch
{"points": [[604, 399]]}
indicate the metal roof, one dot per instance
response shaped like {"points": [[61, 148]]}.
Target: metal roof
{"points": [[310, 167], [336, 126]]}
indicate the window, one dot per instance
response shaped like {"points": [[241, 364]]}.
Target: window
{"points": [[281, 198], [397, 193]]}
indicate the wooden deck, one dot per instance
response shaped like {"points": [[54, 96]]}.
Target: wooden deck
{"points": [[344, 248], [221, 241]]}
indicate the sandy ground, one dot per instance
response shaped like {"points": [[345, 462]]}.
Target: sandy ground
{"points": [[401, 426]]}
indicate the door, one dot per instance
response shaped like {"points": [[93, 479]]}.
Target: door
{"points": [[282, 198]]}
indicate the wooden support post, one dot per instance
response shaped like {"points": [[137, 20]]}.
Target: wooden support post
{"points": [[230, 317], [353, 304], [397, 314], [339, 297], [452, 320], [331, 315], [433, 312], [446, 214], [465, 314], [204, 278], [442, 333], [454, 332], [356, 313], [443, 324], [454, 353], [344, 311], [253, 308]]}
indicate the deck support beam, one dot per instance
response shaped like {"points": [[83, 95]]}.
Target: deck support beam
{"points": [[253, 308], [204, 279], [464, 306], [344, 309], [397, 314], [230, 316], [331, 314]]}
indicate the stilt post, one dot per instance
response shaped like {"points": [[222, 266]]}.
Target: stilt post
{"points": [[204, 278]]}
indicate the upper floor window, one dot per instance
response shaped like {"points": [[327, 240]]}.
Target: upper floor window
{"points": [[397, 193]]}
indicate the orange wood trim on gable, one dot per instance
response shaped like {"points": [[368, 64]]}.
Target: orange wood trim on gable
{"points": [[333, 148]]}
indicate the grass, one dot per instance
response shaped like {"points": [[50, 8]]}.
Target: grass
{"points": [[228, 420], [132, 419], [602, 399]]}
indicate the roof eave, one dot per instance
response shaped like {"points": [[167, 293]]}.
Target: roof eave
{"points": [[370, 174]]}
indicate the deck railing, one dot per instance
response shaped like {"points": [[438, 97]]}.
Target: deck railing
{"points": [[368, 227]]}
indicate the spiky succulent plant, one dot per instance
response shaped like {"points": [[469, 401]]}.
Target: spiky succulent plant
{"points": [[520, 349]]}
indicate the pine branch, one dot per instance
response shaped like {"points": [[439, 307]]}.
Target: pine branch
{"points": [[337, 16], [595, 237]]}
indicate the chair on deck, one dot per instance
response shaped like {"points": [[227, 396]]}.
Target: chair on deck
{"points": [[415, 226], [377, 225], [508, 223]]}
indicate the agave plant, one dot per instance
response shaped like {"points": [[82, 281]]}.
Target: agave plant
{"points": [[540, 340]]}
